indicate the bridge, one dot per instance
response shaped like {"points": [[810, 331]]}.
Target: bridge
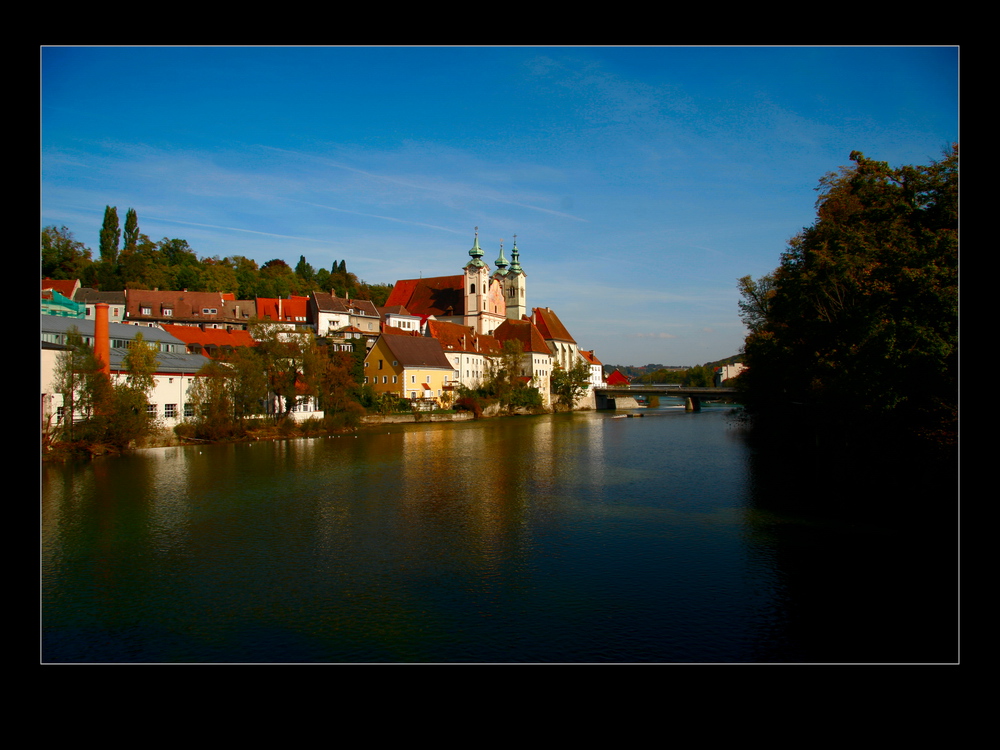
{"points": [[623, 397]]}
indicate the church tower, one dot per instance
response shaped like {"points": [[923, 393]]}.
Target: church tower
{"points": [[514, 285], [477, 286]]}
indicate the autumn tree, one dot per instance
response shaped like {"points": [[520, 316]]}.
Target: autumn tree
{"points": [[63, 257], [75, 377], [129, 420], [285, 357], [861, 327]]}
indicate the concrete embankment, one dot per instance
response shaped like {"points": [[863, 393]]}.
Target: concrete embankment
{"points": [[460, 416]]}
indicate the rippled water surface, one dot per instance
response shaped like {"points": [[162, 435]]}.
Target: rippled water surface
{"points": [[559, 538]]}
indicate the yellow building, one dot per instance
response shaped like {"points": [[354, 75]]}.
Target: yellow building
{"points": [[411, 367]]}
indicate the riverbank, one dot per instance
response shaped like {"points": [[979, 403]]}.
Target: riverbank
{"points": [[276, 431]]}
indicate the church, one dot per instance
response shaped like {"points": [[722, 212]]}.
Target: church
{"points": [[475, 298]]}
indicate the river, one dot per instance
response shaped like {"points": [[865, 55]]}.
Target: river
{"points": [[569, 538]]}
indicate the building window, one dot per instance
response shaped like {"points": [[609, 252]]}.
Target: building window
{"points": [[385, 379], [380, 364], [151, 410], [170, 411], [145, 311], [394, 380], [188, 410]]}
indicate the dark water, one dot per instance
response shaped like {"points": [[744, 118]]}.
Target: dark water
{"points": [[561, 538]]}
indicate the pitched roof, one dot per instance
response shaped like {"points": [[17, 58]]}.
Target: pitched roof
{"points": [[438, 296], [616, 378], [524, 331], [92, 296], [459, 338], [66, 287], [589, 356], [185, 305], [210, 338], [326, 302], [417, 351], [550, 326], [291, 310]]}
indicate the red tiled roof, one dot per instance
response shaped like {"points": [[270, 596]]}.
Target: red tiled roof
{"points": [[293, 309], [524, 331], [589, 356], [213, 337], [438, 296], [184, 305], [550, 326], [65, 287], [459, 338], [616, 378]]}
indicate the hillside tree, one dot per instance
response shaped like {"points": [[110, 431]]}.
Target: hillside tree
{"points": [[110, 236]]}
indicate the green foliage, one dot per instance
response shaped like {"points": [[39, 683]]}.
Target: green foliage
{"points": [[97, 411], [756, 300], [503, 384], [131, 232], [569, 385], [210, 397], [110, 235], [173, 264], [861, 326], [140, 362], [699, 376], [62, 256]]}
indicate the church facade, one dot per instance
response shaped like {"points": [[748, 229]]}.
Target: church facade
{"points": [[480, 298]]}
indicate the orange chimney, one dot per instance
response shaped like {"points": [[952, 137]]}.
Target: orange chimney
{"points": [[102, 339]]}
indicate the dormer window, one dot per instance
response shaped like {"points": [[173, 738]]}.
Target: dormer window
{"points": [[145, 311]]}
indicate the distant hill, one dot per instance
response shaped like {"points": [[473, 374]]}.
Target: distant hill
{"points": [[637, 371]]}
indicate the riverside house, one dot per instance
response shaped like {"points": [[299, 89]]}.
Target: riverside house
{"points": [[410, 367]]}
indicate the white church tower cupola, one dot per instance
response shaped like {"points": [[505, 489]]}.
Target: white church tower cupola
{"points": [[514, 285], [482, 299]]}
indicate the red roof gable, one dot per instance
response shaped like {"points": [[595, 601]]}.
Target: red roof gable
{"points": [[524, 331], [66, 287], [549, 325], [616, 378]]}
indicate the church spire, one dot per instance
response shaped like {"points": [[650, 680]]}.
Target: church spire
{"points": [[515, 259], [501, 262], [476, 253]]}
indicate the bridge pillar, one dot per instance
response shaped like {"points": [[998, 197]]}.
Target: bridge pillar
{"points": [[692, 403]]}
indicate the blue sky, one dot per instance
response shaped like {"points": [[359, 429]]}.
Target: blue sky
{"points": [[641, 182]]}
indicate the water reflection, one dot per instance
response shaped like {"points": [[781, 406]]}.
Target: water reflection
{"points": [[555, 538]]}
